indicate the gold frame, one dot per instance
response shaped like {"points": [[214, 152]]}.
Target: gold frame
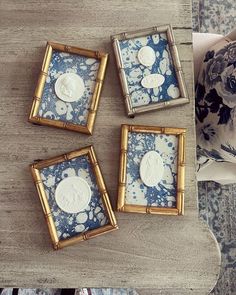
{"points": [[88, 129], [183, 99], [121, 205], [35, 171]]}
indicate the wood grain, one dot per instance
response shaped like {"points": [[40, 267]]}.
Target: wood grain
{"points": [[158, 254]]}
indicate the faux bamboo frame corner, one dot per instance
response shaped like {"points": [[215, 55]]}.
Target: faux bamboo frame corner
{"points": [[183, 99], [122, 206], [35, 171], [88, 128]]}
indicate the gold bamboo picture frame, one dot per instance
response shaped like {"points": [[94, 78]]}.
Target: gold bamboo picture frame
{"points": [[81, 118], [166, 198], [131, 73], [60, 167]]}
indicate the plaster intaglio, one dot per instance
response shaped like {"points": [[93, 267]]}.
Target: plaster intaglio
{"points": [[146, 56], [151, 168], [73, 194], [69, 87]]}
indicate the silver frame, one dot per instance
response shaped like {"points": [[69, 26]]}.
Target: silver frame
{"points": [[183, 99]]}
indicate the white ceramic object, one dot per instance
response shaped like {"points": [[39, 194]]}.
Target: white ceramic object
{"points": [[151, 168], [153, 81], [73, 194], [146, 56], [69, 87]]}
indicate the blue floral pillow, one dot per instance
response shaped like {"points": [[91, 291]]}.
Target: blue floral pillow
{"points": [[216, 104]]}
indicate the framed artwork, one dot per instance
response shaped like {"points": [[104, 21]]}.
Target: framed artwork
{"points": [[149, 69], [68, 89], [152, 169], [73, 196]]}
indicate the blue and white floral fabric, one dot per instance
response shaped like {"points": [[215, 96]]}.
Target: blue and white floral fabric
{"points": [[55, 109], [135, 71], [94, 216], [216, 104], [164, 193]]}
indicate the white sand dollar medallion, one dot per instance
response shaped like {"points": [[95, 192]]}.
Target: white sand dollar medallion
{"points": [[153, 81], [73, 194], [151, 168], [69, 87], [146, 56]]}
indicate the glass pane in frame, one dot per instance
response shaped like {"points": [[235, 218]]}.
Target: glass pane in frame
{"points": [[166, 196], [96, 218], [135, 71], [50, 109]]}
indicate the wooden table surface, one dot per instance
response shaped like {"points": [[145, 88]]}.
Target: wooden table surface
{"points": [[157, 255]]}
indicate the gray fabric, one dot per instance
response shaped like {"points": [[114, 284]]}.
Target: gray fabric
{"points": [[214, 16], [217, 208]]}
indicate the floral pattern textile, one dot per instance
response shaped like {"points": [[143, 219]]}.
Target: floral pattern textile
{"points": [[195, 15], [94, 216], [51, 107], [135, 71], [216, 104], [164, 193], [217, 208], [214, 16]]}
